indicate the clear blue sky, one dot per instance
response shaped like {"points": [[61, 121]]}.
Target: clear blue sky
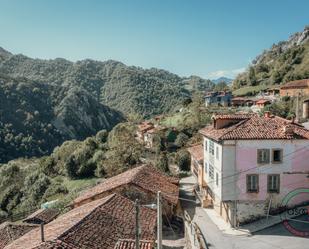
{"points": [[183, 36]]}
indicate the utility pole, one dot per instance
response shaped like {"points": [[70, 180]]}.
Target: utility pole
{"points": [[137, 224], [159, 220]]}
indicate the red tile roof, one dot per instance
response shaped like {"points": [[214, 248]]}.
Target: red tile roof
{"points": [[95, 225], [196, 151], [262, 101], [42, 215], [145, 126], [304, 83], [145, 177], [130, 244], [11, 231], [256, 127]]}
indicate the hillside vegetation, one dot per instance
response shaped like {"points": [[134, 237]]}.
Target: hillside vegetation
{"points": [[283, 62]]}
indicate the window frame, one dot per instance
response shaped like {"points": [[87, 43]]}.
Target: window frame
{"points": [[272, 155], [258, 156], [211, 147], [249, 190], [205, 168], [217, 179], [211, 171], [206, 145], [269, 190]]}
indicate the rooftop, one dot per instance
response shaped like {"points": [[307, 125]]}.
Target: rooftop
{"points": [[197, 152], [97, 224], [145, 177], [11, 231], [304, 83], [42, 215], [254, 127]]}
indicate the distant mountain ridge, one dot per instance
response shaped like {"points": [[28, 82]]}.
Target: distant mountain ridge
{"points": [[45, 102], [222, 79], [285, 61]]}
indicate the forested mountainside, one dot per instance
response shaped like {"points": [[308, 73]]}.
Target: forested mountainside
{"points": [[45, 102], [285, 61], [128, 89], [36, 117]]}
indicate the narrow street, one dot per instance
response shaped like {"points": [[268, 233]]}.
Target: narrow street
{"points": [[271, 238]]}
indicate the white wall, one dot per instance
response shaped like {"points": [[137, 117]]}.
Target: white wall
{"points": [[217, 165]]}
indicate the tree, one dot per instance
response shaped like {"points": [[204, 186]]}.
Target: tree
{"points": [[183, 160], [162, 162], [251, 76], [181, 139]]}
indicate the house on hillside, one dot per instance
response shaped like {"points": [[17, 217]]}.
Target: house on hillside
{"points": [[293, 88], [104, 223], [251, 163], [261, 103], [197, 169], [141, 183], [222, 98], [146, 132], [241, 101]]}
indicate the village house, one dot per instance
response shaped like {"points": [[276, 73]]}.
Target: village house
{"points": [[12, 231], [251, 163], [222, 98], [262, 103], [141, 183], [241, 101], [146, 132], [105, 223], [197, 169], [293, 88]]}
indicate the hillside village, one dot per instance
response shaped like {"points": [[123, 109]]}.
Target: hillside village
{"points": [[101, 155]]}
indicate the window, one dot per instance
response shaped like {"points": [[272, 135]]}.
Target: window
{"points": [[273, 183], [217, 152], [217, 179], [252, 183], [205, 168], [206, 144], [263, 155], [211, 147], [211, 171], [277, 156]]}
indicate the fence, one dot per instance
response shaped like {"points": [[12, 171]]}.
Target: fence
{"points": [[194, 237]]}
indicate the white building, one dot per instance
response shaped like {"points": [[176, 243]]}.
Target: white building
{"points": [[246, 161]]}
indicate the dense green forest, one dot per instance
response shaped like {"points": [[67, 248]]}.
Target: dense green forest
{"points": [[283, 62], [46, 102]]}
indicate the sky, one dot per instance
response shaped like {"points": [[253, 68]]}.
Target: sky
{"points": [[187, 37]]}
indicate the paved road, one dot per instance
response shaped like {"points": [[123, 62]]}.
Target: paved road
{"points": [[271, 238]]}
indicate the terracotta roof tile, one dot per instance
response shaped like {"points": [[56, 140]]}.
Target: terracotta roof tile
{"points": [[296, 84], [130, 244], [197, 152], [95, 225], [256, 127], [42, 215], [11, 231], [145, 176]]}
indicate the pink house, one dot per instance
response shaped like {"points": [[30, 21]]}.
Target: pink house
{"points": [[251, 163]]}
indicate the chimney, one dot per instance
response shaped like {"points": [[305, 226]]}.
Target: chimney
{"points": [[267, 114], [288, 130]]}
